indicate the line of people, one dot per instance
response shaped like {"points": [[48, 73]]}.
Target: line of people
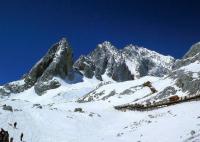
{"points": [[4, 135]]}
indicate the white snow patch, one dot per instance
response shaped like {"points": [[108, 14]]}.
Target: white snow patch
{"points": [[193, 67]]}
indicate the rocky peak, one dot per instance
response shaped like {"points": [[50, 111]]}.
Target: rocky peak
{"points": [[105, 62], [63, 42], [54, 64], [194, 50], [106, 45], [57, 62], [132, 47], [144, 52], [105, 49], [191, 56], [105, 59], [135, 61]]}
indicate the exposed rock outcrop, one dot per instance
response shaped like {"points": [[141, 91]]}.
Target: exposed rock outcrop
{"points": [[13, 87], [185, 78], [125, 64], [190, 57], [7, 108], [184, 84], [104, 59], [57, 62], [194, 50]]}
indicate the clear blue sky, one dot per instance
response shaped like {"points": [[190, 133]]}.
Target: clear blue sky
{"points": [[29, 27]]}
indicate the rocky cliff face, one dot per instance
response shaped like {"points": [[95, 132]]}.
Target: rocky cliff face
{"points": [[187, 71], [105, 59], [185, 76], [190, 57], [125, 64], [56, 63]]}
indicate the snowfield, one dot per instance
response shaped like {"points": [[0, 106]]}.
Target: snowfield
{"points": [[193, 67], [51, 117]]}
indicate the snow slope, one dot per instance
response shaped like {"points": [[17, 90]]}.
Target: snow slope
{"points": [[56, 121]]}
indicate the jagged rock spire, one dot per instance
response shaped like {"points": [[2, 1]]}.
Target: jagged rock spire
{"points": [[57, 62], [104, 59]]}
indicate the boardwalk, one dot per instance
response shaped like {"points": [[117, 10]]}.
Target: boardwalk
{"points": [[156, 105]]}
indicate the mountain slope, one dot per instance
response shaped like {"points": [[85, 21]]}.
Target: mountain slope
{"points": [[84, 109], [182, 84], [51, 117], [106, 63]]}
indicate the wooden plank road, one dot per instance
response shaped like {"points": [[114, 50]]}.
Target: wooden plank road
{"points": [[156, 105]]}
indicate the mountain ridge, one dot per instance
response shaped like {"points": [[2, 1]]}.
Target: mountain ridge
{"points": [[145, 109], [130, 55], [182, 82], [105, 62]]}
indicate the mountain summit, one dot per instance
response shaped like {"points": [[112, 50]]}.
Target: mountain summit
{"points": [[129, 63], [57, 62], [105, 63]]}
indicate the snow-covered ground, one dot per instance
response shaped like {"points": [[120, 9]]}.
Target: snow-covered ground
{"points": [[54, 120]]}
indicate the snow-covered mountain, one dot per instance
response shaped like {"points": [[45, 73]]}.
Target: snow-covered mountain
{"points": [[183, 82], [57, 62], [129, 63], [110, 95]]}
